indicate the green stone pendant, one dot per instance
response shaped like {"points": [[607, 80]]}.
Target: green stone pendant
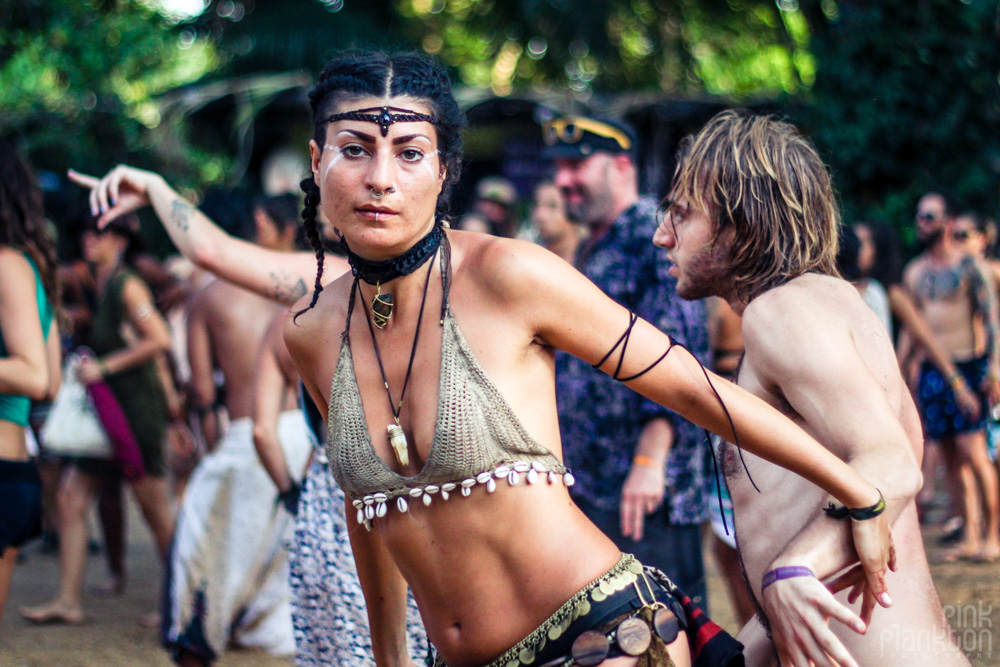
{"points": [[381, 307]]}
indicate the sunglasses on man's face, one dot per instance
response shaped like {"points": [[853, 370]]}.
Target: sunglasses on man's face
{"points": [[927, 217], [961, 234], [570, 131]]}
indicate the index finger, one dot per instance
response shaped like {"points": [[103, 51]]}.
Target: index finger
{"points": [[82, 179]]}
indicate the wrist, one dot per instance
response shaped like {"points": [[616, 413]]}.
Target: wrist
{"points": [[955, 380], [644, 461], [102, 366], [785, 572]]}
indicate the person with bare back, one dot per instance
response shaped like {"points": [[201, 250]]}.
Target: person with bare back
{"points": [[228, 578], [751, 217]]}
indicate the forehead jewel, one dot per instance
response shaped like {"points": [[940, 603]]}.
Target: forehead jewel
{"points": [[384, 116]]}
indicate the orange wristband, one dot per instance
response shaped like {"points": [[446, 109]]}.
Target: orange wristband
{"points": [[643, 461]]}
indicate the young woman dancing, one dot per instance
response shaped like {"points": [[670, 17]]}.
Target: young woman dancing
{"points": [[434, 361]]}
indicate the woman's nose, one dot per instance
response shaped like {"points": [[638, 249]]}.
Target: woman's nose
{"points": [[381, 174]]}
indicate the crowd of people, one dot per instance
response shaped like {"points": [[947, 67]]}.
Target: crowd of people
{"points": [[366, 431]]}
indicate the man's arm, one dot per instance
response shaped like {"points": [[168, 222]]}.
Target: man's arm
{"points": [[792, 340], [643, 489], [202, 363], [272, 383], [281, 276], [984, 297]]}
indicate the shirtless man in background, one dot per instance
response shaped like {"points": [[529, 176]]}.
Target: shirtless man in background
{"points": [[752, 218], [228, 572], [957, 298]]}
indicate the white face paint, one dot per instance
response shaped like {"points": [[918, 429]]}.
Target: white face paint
{"points": [[338, 155]]}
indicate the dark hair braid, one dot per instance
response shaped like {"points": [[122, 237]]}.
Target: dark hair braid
{"points": [[311, 227]]}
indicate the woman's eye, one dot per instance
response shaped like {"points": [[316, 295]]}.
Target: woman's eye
{"points": [[352, 150], [412, 155]]}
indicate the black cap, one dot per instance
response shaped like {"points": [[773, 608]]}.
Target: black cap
{"points": [[578, 137]]}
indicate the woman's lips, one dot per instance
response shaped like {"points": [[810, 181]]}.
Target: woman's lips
{"points": [[375, 212]]}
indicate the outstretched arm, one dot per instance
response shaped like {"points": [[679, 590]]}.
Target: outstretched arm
{"points": [[281, 276], [586, 323]]}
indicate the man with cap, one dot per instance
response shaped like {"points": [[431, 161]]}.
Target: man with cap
{"points": [[625, 450]]}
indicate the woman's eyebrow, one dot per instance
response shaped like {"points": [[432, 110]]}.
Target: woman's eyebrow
{"points": [[409, 137], [360, 135]]}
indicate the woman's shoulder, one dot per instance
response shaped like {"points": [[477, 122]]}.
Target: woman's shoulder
{"points": [[15, 265], [504, 266]]}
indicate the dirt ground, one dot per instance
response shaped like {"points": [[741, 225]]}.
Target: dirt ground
{"points": [[113, 637]]}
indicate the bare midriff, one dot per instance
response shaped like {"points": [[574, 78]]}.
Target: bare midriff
{"points": [[488, 569]]}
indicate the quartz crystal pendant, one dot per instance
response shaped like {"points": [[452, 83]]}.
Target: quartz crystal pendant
{"points": [[398, 441], [381, 308]]}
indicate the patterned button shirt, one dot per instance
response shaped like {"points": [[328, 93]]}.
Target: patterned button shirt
{"points": [[601, 419]]}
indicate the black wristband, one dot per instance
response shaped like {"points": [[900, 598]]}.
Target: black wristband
{"points": [[858, 514], [290, 498]]}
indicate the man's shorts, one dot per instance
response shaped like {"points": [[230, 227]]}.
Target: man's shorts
{"points": [[939, 411]]}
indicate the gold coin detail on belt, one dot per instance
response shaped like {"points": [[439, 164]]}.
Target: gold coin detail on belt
{"points": [[554, 632], [598, 596], [590, 648], [666, 625], [526, 656], [634, 566], [633, 636], [584, 607], [606, 587]]}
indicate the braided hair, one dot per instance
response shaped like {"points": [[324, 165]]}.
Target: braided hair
{"points": [[22, 219], [375, 74]]}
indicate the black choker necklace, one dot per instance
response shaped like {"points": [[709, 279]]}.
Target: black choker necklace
{"points": [[376, 273]]}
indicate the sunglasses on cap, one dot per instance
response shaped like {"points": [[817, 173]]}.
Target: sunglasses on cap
{"points": [[570, 131]]}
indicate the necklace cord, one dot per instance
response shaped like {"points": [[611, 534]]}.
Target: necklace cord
{"points": [[413, 351]]}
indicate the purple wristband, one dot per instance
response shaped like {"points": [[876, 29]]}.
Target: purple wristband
{"points": [[787, 572]]}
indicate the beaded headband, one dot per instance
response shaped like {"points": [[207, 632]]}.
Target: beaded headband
{"points": [[384, 117]]}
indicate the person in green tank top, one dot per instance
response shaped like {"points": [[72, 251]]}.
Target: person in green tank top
{"points": [[127, 335], [29, 350]]}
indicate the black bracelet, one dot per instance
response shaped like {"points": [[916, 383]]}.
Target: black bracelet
{"points": [[290, 498], [859, 514]]}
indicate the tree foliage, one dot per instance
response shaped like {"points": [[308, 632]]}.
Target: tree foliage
{"points": [[906, 100], [79, 78]]}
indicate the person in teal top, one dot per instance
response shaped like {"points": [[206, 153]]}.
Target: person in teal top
{"points": [[15, 407], [29, 350]]}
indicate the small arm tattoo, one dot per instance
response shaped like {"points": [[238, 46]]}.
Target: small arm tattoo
{"points": [[287, 289], [180, 214]]}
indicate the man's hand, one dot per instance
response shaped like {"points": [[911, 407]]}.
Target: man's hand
{"points": [[123, 190], [800, 609], [967, 400], [990, 387], [642, 493]]}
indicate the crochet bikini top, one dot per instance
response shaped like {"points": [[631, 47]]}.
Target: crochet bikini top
{"points": [[478, 440]]}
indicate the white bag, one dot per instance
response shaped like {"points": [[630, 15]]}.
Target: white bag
{"points": [[72, 427]]}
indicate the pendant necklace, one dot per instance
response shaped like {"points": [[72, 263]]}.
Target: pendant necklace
{"points": [[396, 436], [376, 273]]}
